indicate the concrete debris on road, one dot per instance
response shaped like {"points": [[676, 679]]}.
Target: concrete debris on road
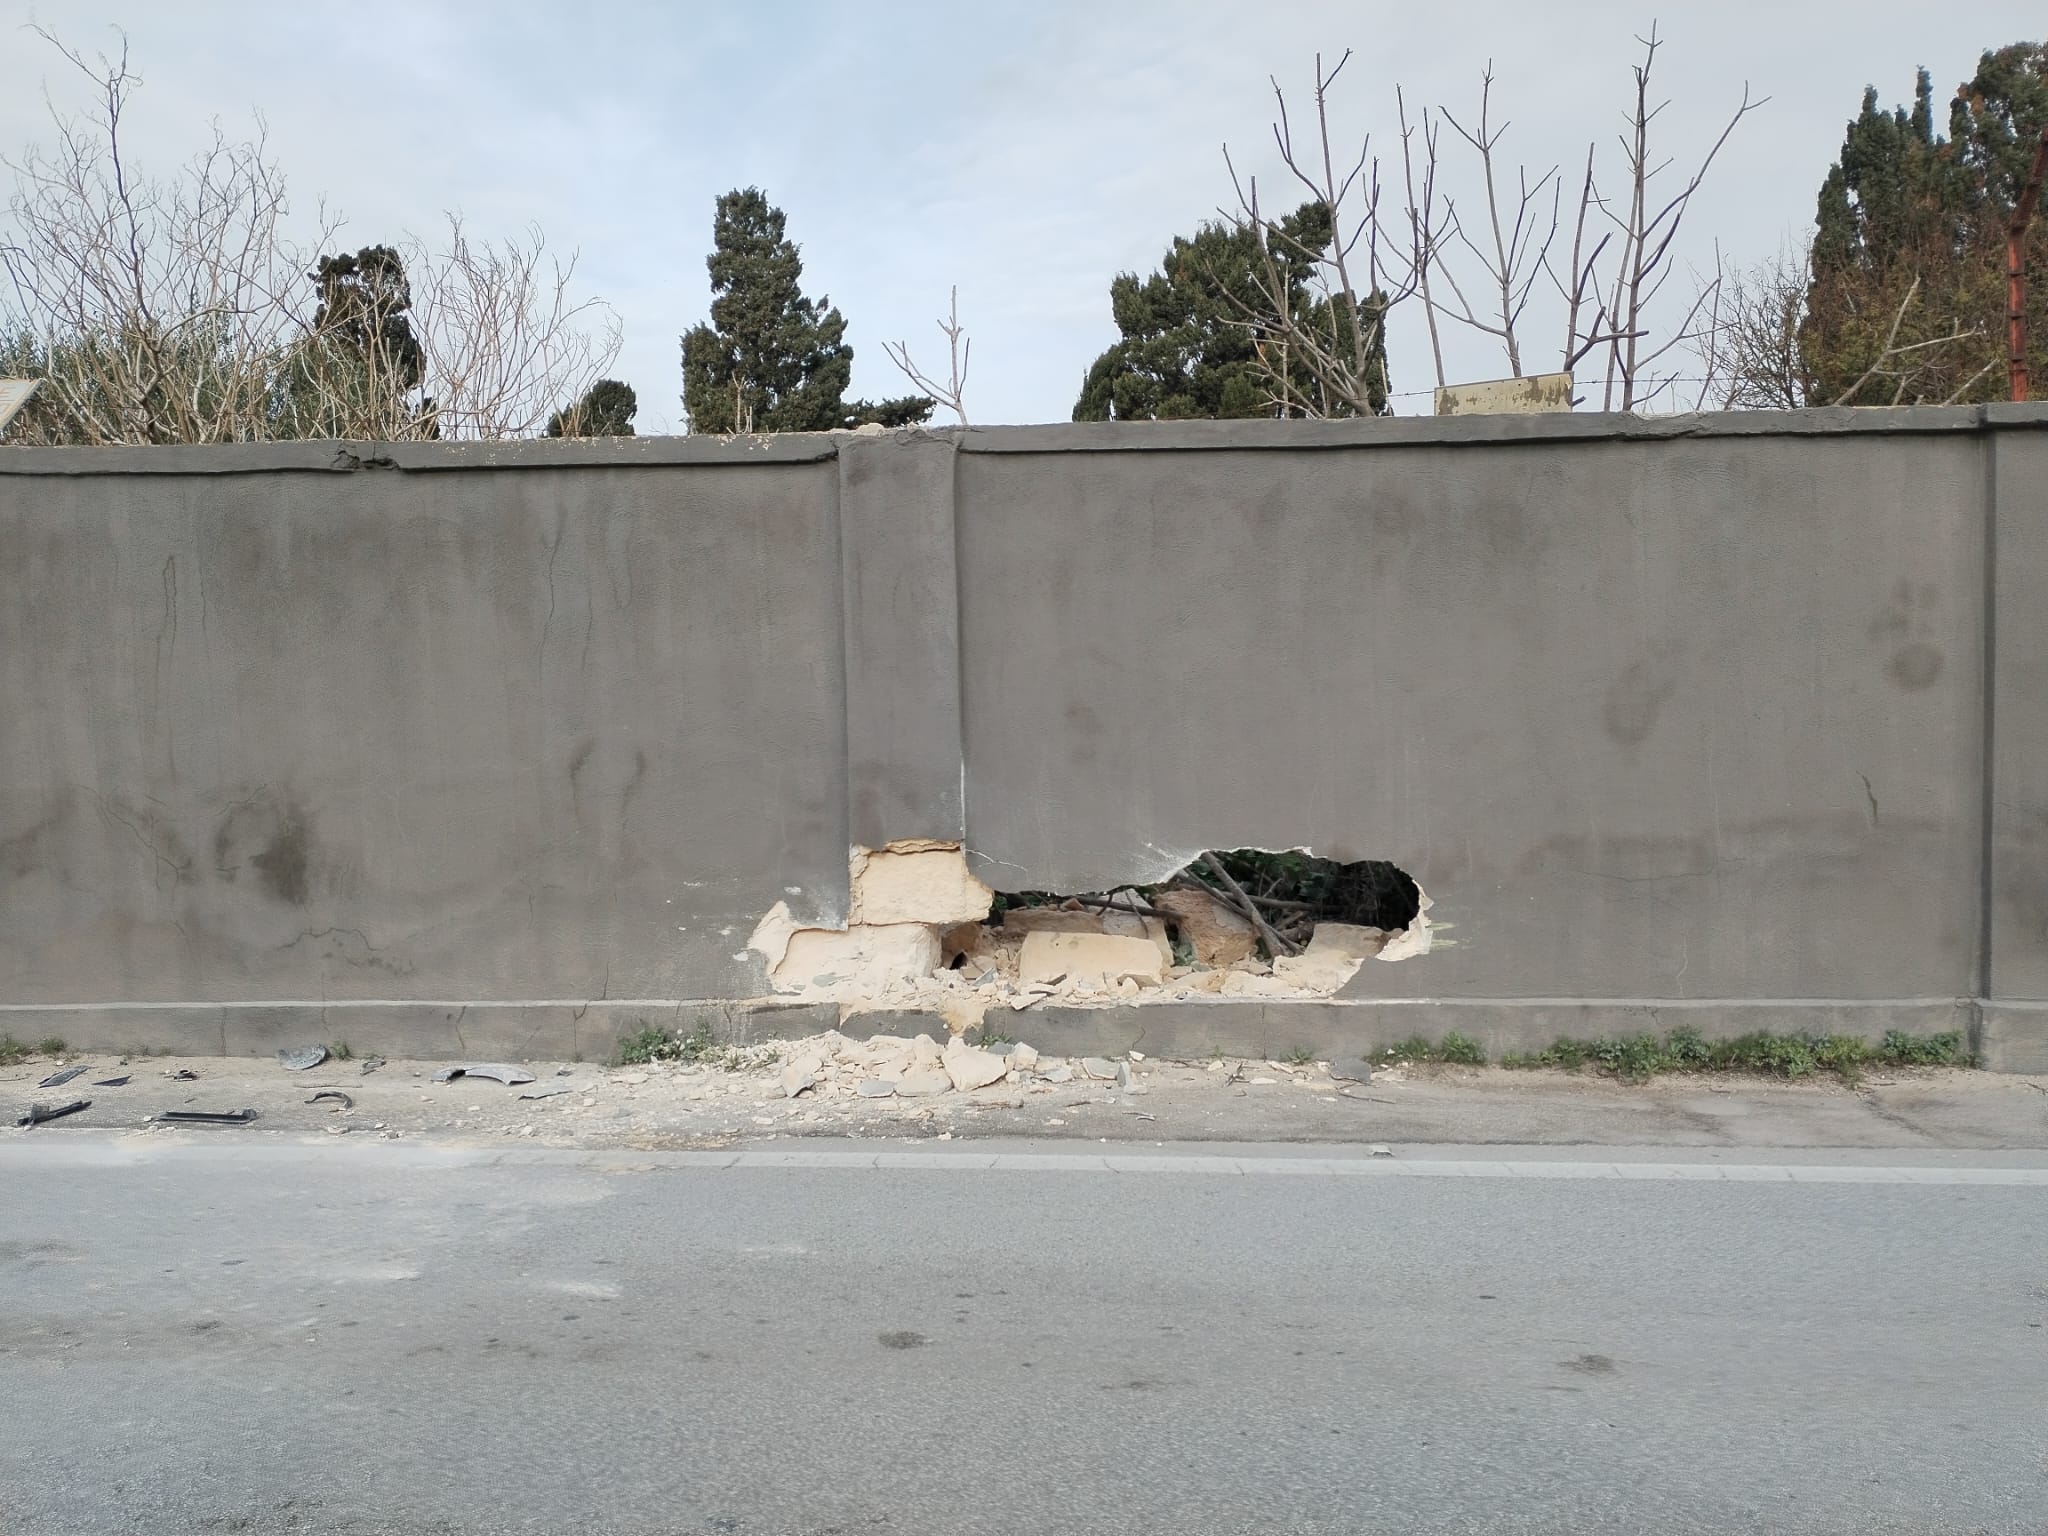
{"points": [[498, 1071], [970, 1069], [801, 1074]]}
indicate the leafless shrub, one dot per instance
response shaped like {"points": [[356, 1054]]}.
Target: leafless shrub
{"points": [[177, 310], [1749, 347], [503, 340], [155, 310]]}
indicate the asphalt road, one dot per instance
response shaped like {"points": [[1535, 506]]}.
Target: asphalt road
{"points": [[395, 1339]]}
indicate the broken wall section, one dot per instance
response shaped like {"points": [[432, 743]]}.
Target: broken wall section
{"points": [[923, 933]]}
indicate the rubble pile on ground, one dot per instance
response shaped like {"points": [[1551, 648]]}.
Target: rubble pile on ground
{"points": [[832, 1066]]}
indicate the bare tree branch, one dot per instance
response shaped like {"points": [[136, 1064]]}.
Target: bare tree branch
{"points": [[1509, 270], [959, 350], [1338, 339]]}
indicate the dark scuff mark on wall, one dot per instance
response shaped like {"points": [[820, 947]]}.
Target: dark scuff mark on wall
{"points": [[283, 864], [272, 835]]}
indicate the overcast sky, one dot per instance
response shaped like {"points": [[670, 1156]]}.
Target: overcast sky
{"points": [[1025, 152]]}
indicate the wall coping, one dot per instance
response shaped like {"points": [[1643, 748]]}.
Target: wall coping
{"points": [[1064, 437]]}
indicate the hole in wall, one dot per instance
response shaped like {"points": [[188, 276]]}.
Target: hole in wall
{"points": [[1282, 897], [923, 932]]}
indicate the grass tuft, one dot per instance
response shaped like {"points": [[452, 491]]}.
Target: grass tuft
{"points": [[651, 1043], [1637, 1057], [1454, 1050]]}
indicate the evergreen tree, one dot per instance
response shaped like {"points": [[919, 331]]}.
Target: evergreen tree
{"points": [[360, 372], [365, 303], [1902, 204], [1186, 350], [771, 359], [606, 410]]}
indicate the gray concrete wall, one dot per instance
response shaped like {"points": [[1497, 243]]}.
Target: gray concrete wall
{"points": [[1739, 716], [278, 734]]}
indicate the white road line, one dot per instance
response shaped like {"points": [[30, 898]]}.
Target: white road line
{"points": [[1380, 1168], [81, 1152]]}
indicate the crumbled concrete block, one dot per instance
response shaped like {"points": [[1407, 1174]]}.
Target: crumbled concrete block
{"points": [[960, 939], [1346, 939], [800, 1074], [1138, 926], [1090, 962], [921, 883], [1256, 984], [1335, 952], [923, 1083], [1028, 920], [1217, 935], [970, 1068], [1314, 971], [862, 961]]}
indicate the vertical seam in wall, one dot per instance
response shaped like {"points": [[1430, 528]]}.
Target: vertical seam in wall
{"points": [[846, 618], [959, 630], [1989, 809]]}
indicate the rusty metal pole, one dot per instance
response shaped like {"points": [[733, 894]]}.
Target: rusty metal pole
{"points": [[2016, 273]]}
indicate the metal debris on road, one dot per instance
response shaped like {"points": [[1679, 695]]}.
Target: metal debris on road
{"points": [[333, 1093], [39, 1113], [207, 1117], [111, 1082], [1380, 1149], [372, 1065], [57, 1079], [183, 1075], [302, 1060], [548, 1092], [500, 1071]]}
